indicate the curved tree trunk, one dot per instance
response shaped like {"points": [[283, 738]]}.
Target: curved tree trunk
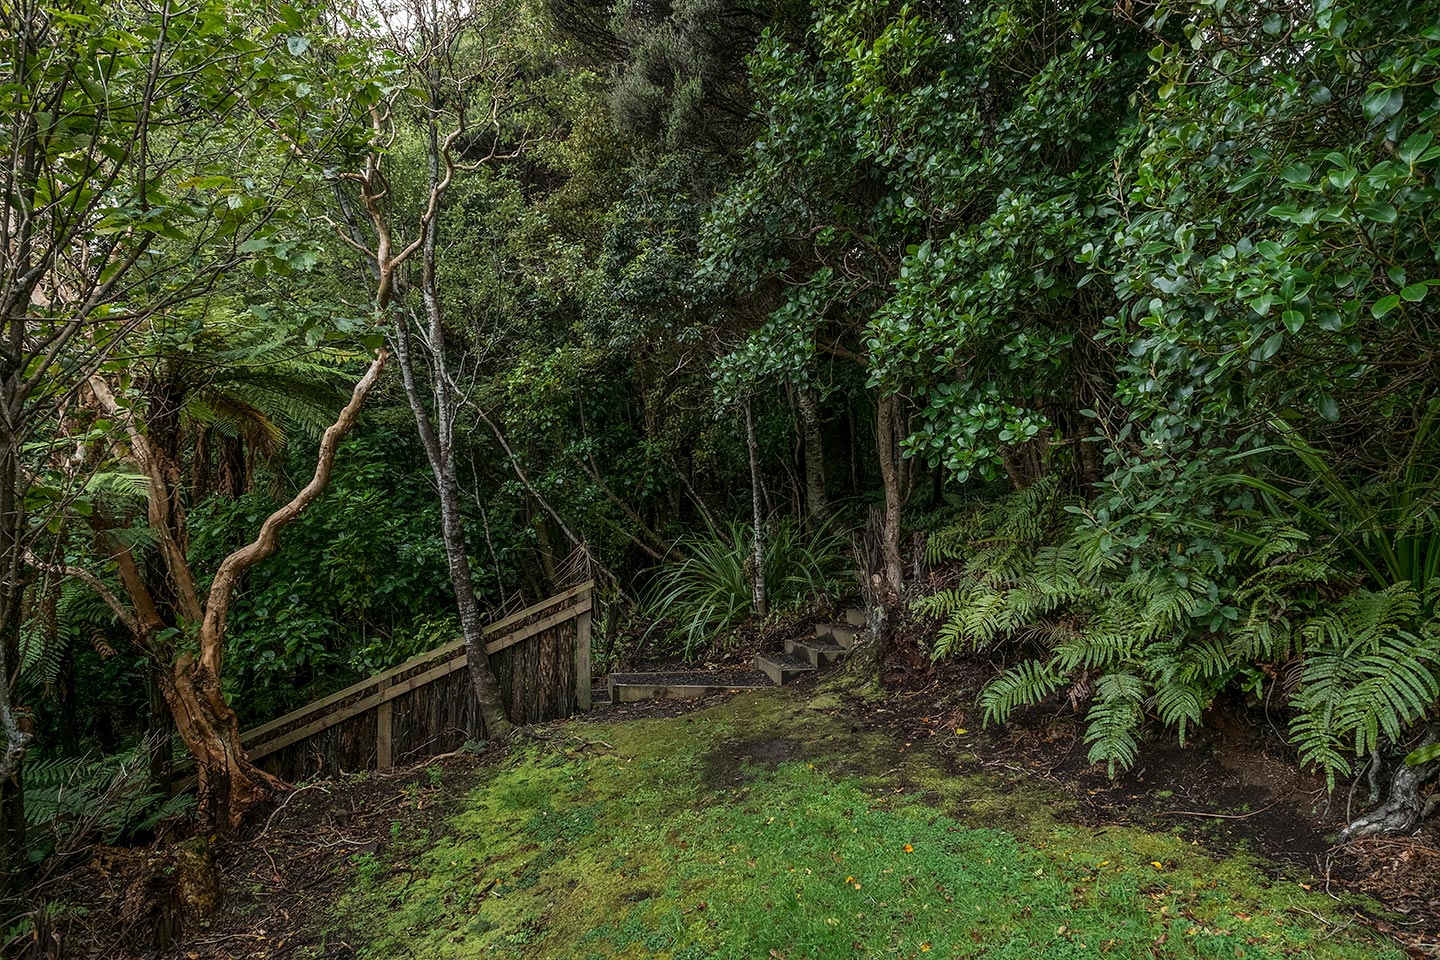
{"points": [[228, 785]]}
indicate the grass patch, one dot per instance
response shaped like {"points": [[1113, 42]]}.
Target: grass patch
{"points": [[764, 827]]}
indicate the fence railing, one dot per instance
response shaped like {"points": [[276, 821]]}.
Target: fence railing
{"points": [[426, 705]]}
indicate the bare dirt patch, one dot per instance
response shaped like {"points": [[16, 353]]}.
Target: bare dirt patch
{"points": [[733, 763]]}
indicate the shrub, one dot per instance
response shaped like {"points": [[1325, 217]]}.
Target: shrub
{"points": [[697, 599]]}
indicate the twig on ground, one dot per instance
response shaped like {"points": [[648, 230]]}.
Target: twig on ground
{"points": [[342, 840], [1331, 929], [1218, 816], [286, 802]]}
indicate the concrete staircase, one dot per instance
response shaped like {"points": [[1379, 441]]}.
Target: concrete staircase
{"points": [[832, 643]]}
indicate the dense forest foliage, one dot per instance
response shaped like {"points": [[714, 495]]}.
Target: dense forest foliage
{"points": [[1097, 334]]}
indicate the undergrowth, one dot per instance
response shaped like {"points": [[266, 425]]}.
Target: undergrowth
{"points": [[705, 592], [1051, 587], [71, 801]]}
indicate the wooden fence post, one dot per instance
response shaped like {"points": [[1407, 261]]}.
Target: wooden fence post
{"points": [[384, 731], [582, 656]]}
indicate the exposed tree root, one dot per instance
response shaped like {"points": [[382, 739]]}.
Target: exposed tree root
{"points": [[1403, 810]]}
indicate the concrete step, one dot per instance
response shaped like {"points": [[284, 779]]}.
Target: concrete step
{"points": [[819, 652], [683, 684], [855, 616], [842, 634], [782, 667]]}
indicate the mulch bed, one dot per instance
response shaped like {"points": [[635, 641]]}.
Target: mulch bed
{"points": [[277, 878]]}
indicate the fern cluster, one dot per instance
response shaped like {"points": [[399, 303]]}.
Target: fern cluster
{"points": [[70, 800], [1042, 584], [68, 615], [698, 598]]}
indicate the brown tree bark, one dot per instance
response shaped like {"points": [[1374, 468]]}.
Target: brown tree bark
{"points": [[227, 783], [817, 504], [759, 599], [887, 442]]}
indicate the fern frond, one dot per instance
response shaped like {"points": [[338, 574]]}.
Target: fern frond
{"points": [[1113, 719], [1363, 673], [1025, 684]]}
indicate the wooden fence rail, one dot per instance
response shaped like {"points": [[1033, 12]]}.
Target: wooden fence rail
{"points": [[426, 705]]}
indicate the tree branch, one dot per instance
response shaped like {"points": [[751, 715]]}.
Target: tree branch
{"points": [[222, 588], [124, 614]]}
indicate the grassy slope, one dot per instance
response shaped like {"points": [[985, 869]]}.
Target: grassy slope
{"points": [[647, 838]]}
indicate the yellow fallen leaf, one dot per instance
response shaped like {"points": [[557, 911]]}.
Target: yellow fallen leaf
{"points": [[961, 731], [1157, 864]]}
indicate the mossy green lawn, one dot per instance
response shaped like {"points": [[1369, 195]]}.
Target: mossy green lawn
{"points": [[655, 838]]}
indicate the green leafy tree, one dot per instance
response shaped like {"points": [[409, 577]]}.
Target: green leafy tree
{"points": [[172, 201]]}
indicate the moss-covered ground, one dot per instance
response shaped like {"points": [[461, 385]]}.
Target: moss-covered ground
{"points": [[775, 825]]}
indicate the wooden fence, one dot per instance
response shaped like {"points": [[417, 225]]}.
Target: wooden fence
{"points": [[426, 706]]}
